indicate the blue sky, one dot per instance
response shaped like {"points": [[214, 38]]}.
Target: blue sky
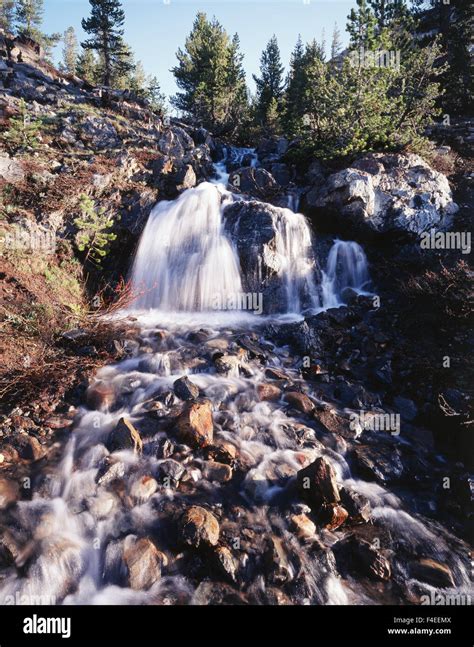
{"points": [[156, 28]]}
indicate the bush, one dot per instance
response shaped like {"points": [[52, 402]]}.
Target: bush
{"points": [[23, 131], [93, 236]]}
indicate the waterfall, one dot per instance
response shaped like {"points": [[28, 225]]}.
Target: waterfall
{"points": [[346, 267], [184, 260]]}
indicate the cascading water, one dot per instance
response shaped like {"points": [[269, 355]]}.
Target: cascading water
{"points": [[346, 267], [184, 260], [90, 533]]}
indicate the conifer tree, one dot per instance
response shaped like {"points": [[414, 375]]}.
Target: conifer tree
{"points": [[210, 76], [70, 55], [361, 26], [29, 16], [336, 44], [7, 15], [105, 28], [87, 66], [270, 84]]}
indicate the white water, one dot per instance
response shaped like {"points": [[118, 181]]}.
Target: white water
{"points": [[347, 267], [75, 522]]}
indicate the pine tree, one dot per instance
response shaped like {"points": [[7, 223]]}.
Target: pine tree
{"points": [[295, 90], [29, 16], [87, 66], [361, 26], [386, 11], [105, 27], [155, 96], [7, 15], [336, 44], [70, 56], [210, 76], [270, 84]]}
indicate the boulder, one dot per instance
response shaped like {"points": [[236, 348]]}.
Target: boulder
{"points": [[99, 133], [195, 426], [214, 471], [355, 554], [124, 436], [260, 232], [378, 463], [143, 488], [175, 142], [384, 193], [254, 182], [356, 504], [299, 401], [433, 573], [279, 568], [185, 389], [143, 561], [317, 484], [268, 392], [303, 526], [199, 526], [9, 492]]}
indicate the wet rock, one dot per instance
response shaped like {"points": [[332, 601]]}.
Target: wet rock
{"points": [[143, 561], [29, 447], [433, 573], [185, 389], [317, 484], [299, 401], [195, 426], [227, 364], [226, 563], [144, 488], [199, 526], [255, 182], [185, 178], [354, 554], [216, 471], [10, 547], [332, 516], [303, 526], [101, 506], [268, 392], [171, 472], [9, 492], [109, 471], [378, 463], [100, 396], [8, 454], [223, 452], [217, 593], [125, 436], [279, 569], [406, 408], [356, 504], [275, 374]]}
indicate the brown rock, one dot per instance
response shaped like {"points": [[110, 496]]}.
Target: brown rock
{"points": [[125, 436], [9, 492], [333, 516], [432, 572], [279, 568], [226, 562], [216, 471], [199, 526], [223, 452], [268, 392], [144, 488], [143, 561], [100, 396], [317, 484], [195, 426], [29, 447], [299, 401], [275, 374], [8, 454], [303, 526]]}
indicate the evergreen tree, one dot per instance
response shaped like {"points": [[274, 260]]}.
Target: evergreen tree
{"points": [[69, 62], [295, 90], [105, 27], [270, 84], [87, 66], [29, 16], [155, 96], [361, 26], [386, 11], [7, 15], [210, 76], [336, 44]]}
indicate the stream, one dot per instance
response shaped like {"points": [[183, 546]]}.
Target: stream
{"points": [[105, 526]]}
